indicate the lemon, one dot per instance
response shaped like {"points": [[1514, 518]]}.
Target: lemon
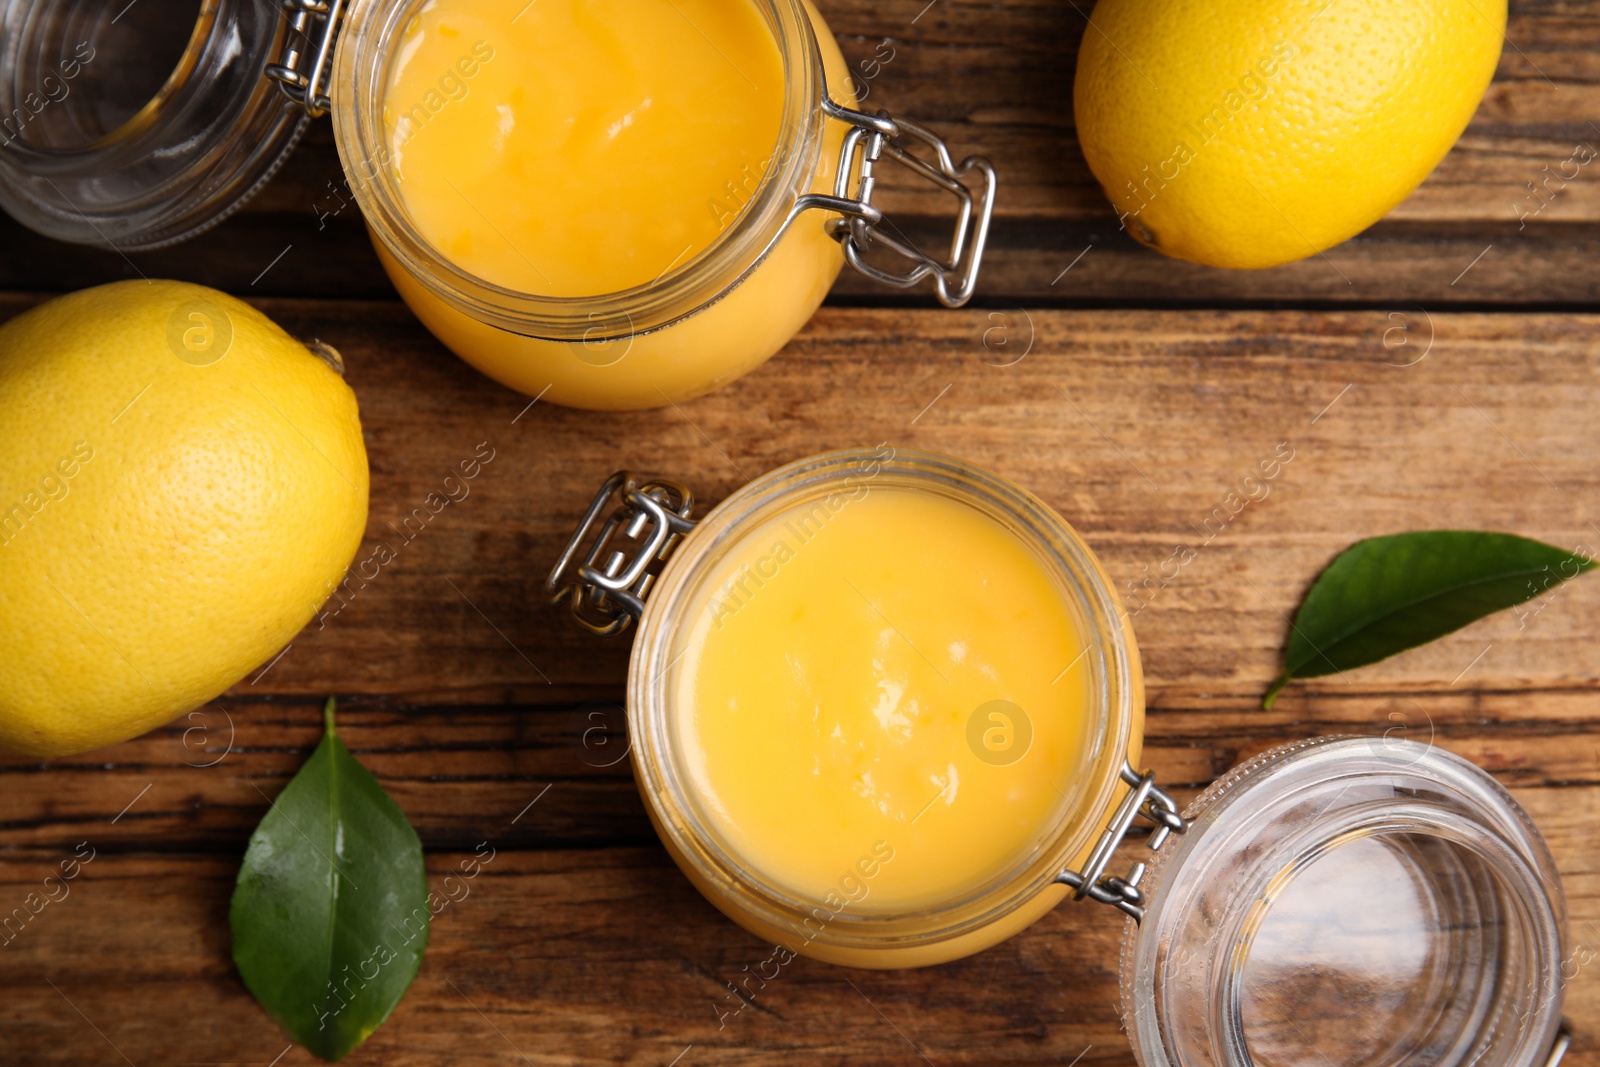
{"points": [[181, 485], [1248, 133]]}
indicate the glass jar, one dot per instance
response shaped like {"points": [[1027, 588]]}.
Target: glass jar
{"points": [[653, 522], [116, 130], [1349, 900], [149, 140], [1375, 899]]}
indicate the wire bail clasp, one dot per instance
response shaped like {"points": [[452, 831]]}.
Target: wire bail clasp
{"points": [[1144, 798], [871, 139], [305, 66], [650, 520]]}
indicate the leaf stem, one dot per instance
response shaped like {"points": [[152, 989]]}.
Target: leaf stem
{"points": [[327, 716], [1273, 691]]}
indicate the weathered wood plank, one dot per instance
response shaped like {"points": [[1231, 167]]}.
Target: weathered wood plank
{"points": [[1046, 262], [997, 78], [596, 957], [1135, 426], [203, 783]]}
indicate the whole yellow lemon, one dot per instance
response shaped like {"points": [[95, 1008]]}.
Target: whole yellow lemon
{"points": [[181, 485], [1248, 133]]}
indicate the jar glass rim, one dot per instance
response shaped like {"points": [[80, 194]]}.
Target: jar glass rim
{"points": [[1537, 928], [209, 134], [1258, 832], [95, 150], [1117, 694], [362, 67]]}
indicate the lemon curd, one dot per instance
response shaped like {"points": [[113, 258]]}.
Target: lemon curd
{"points": [[582, 148], [880, 703]]}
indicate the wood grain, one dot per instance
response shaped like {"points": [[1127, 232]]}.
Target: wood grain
{"points": [[1439, 370], [1135, 426], [582, 944], [996, 78], [603, 956]]}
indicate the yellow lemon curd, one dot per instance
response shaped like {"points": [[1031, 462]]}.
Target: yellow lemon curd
{"points": [[882, 704], [578, 148]]}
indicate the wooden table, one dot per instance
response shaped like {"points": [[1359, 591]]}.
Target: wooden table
{"points": [[1441, 370]]}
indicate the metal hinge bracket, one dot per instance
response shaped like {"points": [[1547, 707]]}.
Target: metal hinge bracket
{"points": [[1145, 799], [636, 538], [305, 67]]}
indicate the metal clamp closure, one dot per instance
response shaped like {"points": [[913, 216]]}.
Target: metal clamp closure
{"points": [[651, 518], [305, 67], [1559, 1047], [1146, 799], [864, 224]]}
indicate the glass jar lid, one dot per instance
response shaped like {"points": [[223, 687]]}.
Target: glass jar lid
{"points": [[1348, 901], [114, 129]]}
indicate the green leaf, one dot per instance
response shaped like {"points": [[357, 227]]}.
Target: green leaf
{"points": [[1384, 595], [330, 915]]}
